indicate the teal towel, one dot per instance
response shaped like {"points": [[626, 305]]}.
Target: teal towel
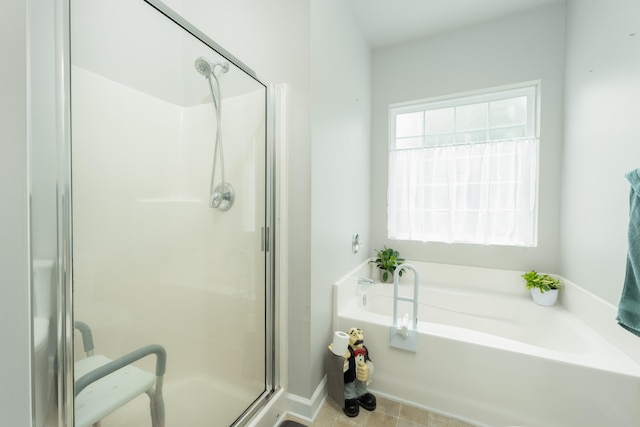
{"points": [[629, 307]]}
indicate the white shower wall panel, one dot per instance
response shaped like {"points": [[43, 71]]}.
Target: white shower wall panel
{"points": [[185, 272]]}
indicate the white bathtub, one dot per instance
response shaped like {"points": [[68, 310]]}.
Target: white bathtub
{"points": [[489, 355]]}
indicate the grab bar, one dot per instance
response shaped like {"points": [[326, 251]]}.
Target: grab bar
{"points": [[396, 297], [400, 337]]}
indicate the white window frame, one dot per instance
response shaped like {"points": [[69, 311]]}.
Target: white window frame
{"points": [[529, 89]]}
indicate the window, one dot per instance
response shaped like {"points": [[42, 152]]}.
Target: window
{"points": [[465, 168]]}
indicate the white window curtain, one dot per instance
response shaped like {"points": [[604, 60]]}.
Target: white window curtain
{"points": [[482, 193]]}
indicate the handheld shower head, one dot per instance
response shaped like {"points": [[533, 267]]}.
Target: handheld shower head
{"points": [[205, 67]]}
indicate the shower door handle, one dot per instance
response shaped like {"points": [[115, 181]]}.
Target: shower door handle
{"points": [[265, 239]]}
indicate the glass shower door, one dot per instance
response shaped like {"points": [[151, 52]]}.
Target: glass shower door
{"points": [[153, 262]]}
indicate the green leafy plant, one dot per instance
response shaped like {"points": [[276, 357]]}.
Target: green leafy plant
{"points": [[544, 282], [387, 259]]}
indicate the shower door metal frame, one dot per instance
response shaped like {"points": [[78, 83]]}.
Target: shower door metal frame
{"points": [[64, 212]]}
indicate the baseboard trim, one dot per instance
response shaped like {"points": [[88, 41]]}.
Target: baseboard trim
{"points": [[307, 409]]}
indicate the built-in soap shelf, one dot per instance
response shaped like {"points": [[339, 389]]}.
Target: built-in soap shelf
{"points": [[171, 200]]}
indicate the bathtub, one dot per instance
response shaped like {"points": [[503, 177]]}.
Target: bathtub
{"points": [[490, 356]]}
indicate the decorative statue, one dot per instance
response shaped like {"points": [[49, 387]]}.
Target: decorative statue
{"points": [[358, 369]]}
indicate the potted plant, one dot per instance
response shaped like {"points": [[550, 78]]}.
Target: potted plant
{"points": [[544, 288], [387, 260]]}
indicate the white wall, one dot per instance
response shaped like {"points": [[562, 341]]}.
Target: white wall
{"points": [[15, 388], [516, 49], [340, 166], [601, 141]]}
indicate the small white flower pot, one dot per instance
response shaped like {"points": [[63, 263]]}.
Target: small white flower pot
{"points": [[547, 298]]}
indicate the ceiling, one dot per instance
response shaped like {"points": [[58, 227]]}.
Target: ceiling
{"points": [[390, 22]]}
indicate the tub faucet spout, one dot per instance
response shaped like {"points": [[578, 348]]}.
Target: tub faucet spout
{"points": [[365, 281]]}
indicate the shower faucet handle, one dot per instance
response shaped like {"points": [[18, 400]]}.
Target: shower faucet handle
{"points": [[222, 197], [215, 200]]}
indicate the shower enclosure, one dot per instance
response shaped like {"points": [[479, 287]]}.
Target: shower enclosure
{"points": [[166, 237]]}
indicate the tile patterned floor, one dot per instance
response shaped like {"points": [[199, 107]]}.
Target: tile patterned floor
{"points": [[387, 414]]}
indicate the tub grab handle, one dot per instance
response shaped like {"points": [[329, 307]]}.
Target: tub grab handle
{"points": [[401, 337]]}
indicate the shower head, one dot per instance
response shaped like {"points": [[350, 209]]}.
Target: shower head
{"points": [[205, 67]]}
